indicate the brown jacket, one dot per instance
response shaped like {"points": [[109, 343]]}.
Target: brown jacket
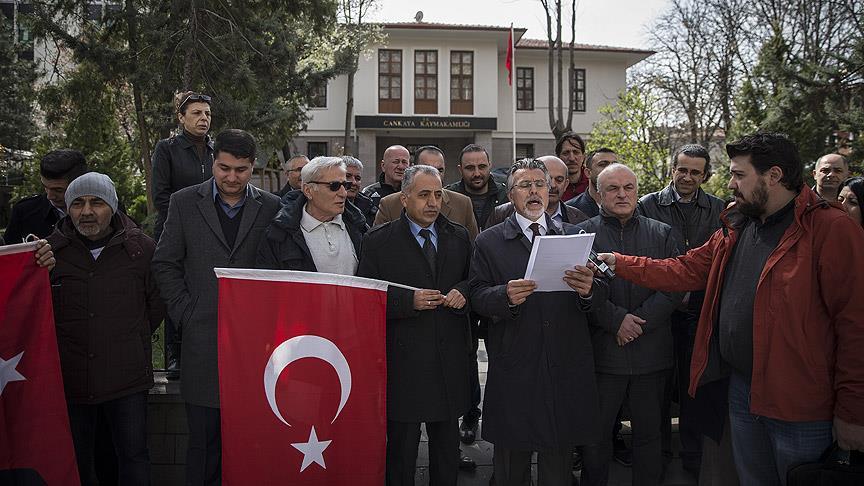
{"points": [[105, 311], [454, 206]]}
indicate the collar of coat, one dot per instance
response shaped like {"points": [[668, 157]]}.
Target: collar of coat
{"points": [[512, 230], [291, 212], [806, 202], [666, 197], [125, 231], [186, 143]]}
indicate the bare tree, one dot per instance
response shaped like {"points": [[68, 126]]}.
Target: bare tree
{"points": [[356, 35], [555, 49]]}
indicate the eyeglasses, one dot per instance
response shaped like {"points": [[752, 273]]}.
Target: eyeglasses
{"points": [[539, 184], [692, 172], [195, 97], [335, 185]]}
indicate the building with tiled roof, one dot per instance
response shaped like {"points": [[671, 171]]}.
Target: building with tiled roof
{"points": [[446, 85]]}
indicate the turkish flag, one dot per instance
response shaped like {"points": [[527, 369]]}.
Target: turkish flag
{"points": [[509, 61], [302, 378], [35, 440]]}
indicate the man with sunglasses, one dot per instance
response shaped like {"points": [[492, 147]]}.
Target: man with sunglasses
{"points": [[182, 160], [317, 229]]}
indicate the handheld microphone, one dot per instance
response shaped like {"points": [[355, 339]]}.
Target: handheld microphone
{"points": [[601, 265]]}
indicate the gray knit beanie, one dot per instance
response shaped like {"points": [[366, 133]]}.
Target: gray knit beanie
{"points": [[92, 184]]}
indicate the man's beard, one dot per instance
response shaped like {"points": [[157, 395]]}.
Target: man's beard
{"points": [[754, 208]]}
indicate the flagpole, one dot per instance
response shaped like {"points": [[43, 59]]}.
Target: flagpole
{"points": [[513, 85]]}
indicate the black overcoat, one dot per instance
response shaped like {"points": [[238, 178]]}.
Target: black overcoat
{"points": [[541, 392], [427, 351]]}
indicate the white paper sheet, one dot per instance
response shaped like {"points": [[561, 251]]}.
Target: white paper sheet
{"points": [[553, 254]]}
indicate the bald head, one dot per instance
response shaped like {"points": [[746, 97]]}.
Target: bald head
{"points": [[558, 173], [618, 190], [830, 171], [393, 165]]}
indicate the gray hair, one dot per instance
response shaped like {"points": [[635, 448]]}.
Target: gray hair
{"points": [[289, 165], [415, 170], [352, 162], [527, 164], [313, 170], [615, 167]]}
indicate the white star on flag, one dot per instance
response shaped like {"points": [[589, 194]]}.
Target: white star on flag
{"points": [[8, 373], [313, 451]]}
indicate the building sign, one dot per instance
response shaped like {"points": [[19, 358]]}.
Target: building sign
{"points": [[426, 122]]}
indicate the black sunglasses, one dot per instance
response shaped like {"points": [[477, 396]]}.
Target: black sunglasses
{"points": [[335, 185], [195, 97]]}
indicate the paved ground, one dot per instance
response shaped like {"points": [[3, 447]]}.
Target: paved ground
{"points": [[481, 452]]}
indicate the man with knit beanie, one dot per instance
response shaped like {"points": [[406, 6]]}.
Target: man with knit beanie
{"points": [[183, 160], [106, 306]]}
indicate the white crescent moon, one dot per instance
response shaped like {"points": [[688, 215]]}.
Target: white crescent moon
{"points": [[306, 346]]}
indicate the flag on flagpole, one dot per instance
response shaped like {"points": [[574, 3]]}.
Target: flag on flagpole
{"points": [[302, 378], [35, 439], [509, 62]]}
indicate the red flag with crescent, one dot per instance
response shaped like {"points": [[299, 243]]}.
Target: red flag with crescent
{"points": [[35, 439], [302, 378], [508, 62]]}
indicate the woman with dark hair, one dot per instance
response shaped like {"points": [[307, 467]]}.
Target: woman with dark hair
{"points": [[182, 160], [851, 194]]}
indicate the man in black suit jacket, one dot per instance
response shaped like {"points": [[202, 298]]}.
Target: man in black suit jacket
{"points": [[39, 214], [428, 336]]}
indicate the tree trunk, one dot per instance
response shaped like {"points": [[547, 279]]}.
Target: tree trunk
{"points": [[570, 72], [558, 41], [550, 48], [349, 111], [141, 121]]}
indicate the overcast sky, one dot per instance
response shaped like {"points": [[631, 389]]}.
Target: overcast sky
{"points": [[620, 23]]}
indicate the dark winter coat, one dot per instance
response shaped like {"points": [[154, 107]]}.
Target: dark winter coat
{"points": [[192, 245], [105, 311], [541, 392], [176, 165], [652, 351], [427, 351], [33, 214], [284, 247]]}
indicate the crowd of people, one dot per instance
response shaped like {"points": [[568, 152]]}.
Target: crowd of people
{"points": [[750, 317]]}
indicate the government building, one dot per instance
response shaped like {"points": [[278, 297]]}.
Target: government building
{"points": [[446, 85]]}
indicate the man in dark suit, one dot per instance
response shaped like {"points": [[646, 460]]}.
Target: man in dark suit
{"points": [[541, 393], [218, 223], [557, 210], [428, 338], [38, 214]]}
